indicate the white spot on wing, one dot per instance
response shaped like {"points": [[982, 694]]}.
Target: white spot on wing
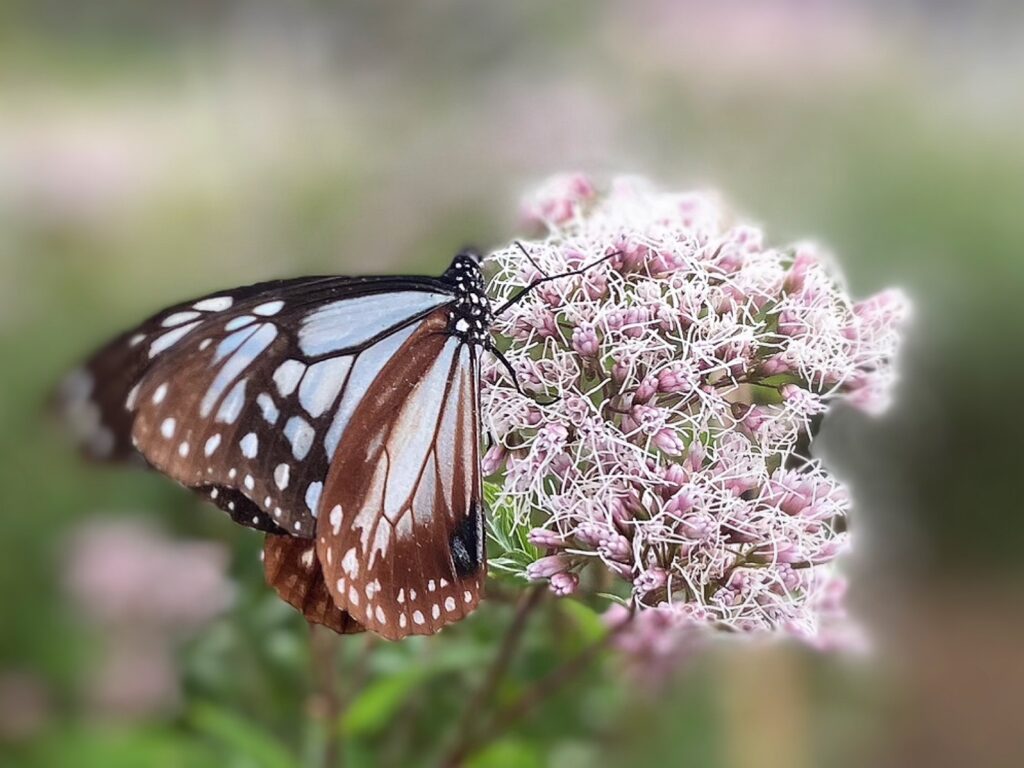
{"points": [[214, 304], [281, 475], [211, 444], [170, 338], [267, 407], [167, 427], [350, 564], [269, 308], [133, 395], [380, 542], [232, 404], [287, 376], [313, 492], [322, 383], [178, 318], [238, 322], [159, 394], [250, 445], [300, 434]]}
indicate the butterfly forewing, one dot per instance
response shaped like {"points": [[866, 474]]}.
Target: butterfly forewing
{"points": [[400, 534], [248, 394]]}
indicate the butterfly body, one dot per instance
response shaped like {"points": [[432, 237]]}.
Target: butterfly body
{"points": [[338, 415]]}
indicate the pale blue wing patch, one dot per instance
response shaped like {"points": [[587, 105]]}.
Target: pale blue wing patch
{"points": [[351, 322]]}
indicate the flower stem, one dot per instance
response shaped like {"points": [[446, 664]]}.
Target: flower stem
{"points": [[325, 699], [510, 644], [538, 693]]}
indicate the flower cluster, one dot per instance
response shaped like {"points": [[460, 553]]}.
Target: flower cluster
{"points": [[664, 399]]}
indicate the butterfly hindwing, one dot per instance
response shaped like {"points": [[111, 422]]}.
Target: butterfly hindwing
{"points": [[292, 569], [400, 532]]}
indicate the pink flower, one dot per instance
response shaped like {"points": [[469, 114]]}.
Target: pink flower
{"points": [[674, 456], [557, 201], [145, 593]]}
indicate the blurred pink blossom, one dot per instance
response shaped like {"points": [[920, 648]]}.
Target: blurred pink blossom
{"points": [[144, 593]]}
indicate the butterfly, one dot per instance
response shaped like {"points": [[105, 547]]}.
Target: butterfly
{"points": [[338, 415]]}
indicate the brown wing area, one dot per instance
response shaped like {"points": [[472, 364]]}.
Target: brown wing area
{"points": [[91, 400], [400, 530], [198, 440], [291, 568]]}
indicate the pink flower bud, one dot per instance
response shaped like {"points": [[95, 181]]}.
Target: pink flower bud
{"points": [[546, 567], [755, 417], [791, 324], [616, 547], [563, 583], [675, 475], [542, 537], [803, 261], [681, 503], [698, 526], [585, 341], [773, 366], [787, 552], [494, 459], [620, 370], [651, 579], [595, 284], [668, 441], [558, 201], [676, 378], [648, 388]]}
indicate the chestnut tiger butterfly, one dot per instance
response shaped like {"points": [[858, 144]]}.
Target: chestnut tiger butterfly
{"points": [[339, 416]]}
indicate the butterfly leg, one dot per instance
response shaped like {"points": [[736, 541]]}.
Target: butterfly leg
{"points": [[515, 379]]}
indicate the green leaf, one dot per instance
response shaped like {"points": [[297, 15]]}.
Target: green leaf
{"points": [[780, 379], [588, 620], [101, 746], [241, 737], [376, 704], [507, 753]]}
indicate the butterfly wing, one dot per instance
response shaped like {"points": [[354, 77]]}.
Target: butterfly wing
{"points": [[292, 569], [244, 395], [400, 535]]}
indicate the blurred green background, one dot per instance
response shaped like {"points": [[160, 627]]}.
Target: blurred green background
{"points": [[152, 152]]}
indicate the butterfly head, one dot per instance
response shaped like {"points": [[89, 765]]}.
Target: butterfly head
{"points": [[471, 315]]}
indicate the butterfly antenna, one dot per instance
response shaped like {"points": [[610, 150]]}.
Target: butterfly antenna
{"points": [[515, 379], [547, 278], [529, 258]]}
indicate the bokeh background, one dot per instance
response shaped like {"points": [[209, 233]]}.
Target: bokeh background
{"points": [[151, 152]]}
